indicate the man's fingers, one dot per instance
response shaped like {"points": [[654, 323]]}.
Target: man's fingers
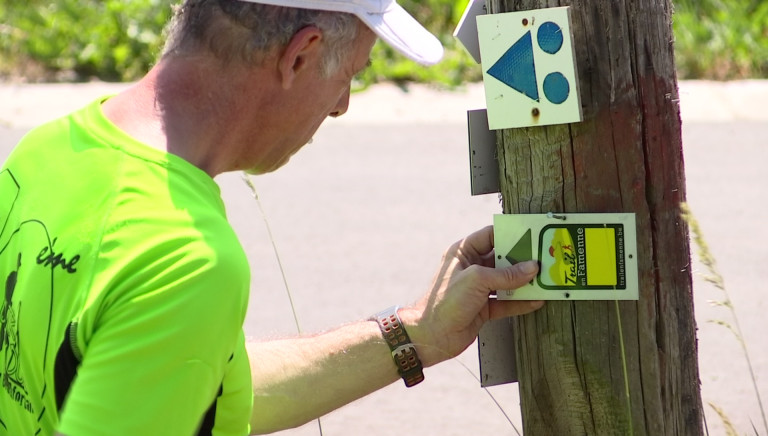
{"points": [[488, 259], [512, 277], [478, 243]]}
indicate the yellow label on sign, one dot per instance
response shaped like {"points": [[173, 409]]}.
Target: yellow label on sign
{"points": [[580, 257], [601, 256]]}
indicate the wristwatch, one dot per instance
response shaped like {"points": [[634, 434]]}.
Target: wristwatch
{"points": [[403, 351]]}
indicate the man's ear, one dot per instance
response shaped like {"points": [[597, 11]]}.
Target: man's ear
{"points": [[303, 50]]}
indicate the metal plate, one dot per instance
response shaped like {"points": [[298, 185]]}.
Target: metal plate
{"points": [[483, 164], [496, 347], [590, 256], [528, 68], [466, 31]]}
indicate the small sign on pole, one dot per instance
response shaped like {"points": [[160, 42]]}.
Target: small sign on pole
{"points": [[528, 68], [580, 256], [466, 31]]}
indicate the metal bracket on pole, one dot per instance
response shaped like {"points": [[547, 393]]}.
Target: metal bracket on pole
{"points": [[484, 166], [497, 353]]}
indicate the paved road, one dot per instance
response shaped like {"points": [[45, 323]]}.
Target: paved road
{"points": [[362, 215]]}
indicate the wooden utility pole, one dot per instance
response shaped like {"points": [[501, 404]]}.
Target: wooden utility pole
{"points": [[626, 156]]}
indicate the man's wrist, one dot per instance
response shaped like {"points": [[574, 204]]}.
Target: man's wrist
{"points": [[403, 350], [421, 336]]}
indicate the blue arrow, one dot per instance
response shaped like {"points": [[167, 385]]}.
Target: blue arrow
{"points": [[515, 68]]}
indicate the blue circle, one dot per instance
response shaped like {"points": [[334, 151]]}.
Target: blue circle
{"points": [[550, 37], [556, 87]]}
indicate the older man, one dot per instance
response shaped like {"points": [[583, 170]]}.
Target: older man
{"points": [[126, 288]]}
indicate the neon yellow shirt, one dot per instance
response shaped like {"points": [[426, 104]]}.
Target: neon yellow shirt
{"points": [[125, 290]]}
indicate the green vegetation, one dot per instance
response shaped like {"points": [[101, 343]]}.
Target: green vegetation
{"points": [[721, 39], [110, 40], [119, 40]]}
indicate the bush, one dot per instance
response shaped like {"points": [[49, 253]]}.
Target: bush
{"points": [[119, 40], [110, 40], [721, 39]]}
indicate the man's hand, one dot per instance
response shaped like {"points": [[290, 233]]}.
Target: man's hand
{"points": [[298, 379], [447, 319]]}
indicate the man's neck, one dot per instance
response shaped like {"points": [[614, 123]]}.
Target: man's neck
{"points": [[173, 109]]}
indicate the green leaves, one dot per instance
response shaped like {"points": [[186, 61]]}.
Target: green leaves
{"points": [[721, 40], [120, 40], [110, 40], [456, 68]]}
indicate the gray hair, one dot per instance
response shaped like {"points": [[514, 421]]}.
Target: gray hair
{"points": [[235, 30]]}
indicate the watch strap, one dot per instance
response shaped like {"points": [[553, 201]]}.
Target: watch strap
{"points": [[403, 350]]}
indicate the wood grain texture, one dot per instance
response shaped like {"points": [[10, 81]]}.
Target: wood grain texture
{"points": [[626, 156]]}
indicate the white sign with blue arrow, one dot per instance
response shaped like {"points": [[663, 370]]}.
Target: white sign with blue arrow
{"points": [[528, 68]]}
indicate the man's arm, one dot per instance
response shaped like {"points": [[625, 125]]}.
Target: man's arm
{"points": [[299, 379]]}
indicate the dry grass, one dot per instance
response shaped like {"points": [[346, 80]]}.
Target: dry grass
{"points": [[713, 276]]}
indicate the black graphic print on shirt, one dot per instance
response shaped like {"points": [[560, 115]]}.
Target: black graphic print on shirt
{"points": [[28, 261]]}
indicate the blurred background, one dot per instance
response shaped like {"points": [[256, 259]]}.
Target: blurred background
{"points": [[117, 40]]}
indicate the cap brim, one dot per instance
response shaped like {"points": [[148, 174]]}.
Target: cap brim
{"points": [[400, 30], [394, 25]]}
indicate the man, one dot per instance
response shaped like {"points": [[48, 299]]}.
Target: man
{"points": [[126, 288]]}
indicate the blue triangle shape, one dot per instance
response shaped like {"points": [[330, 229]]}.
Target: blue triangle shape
{"points": [[515, 68]]}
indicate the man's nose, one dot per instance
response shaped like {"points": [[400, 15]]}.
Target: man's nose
{"points": [[342, 105]]}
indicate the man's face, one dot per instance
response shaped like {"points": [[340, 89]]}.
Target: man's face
{"points": [[315, 98]]}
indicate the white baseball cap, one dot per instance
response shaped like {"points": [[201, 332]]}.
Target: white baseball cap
{"points": [[386, 18]]}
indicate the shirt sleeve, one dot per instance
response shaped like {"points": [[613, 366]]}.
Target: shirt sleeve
{"points": [[155, 353]]}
